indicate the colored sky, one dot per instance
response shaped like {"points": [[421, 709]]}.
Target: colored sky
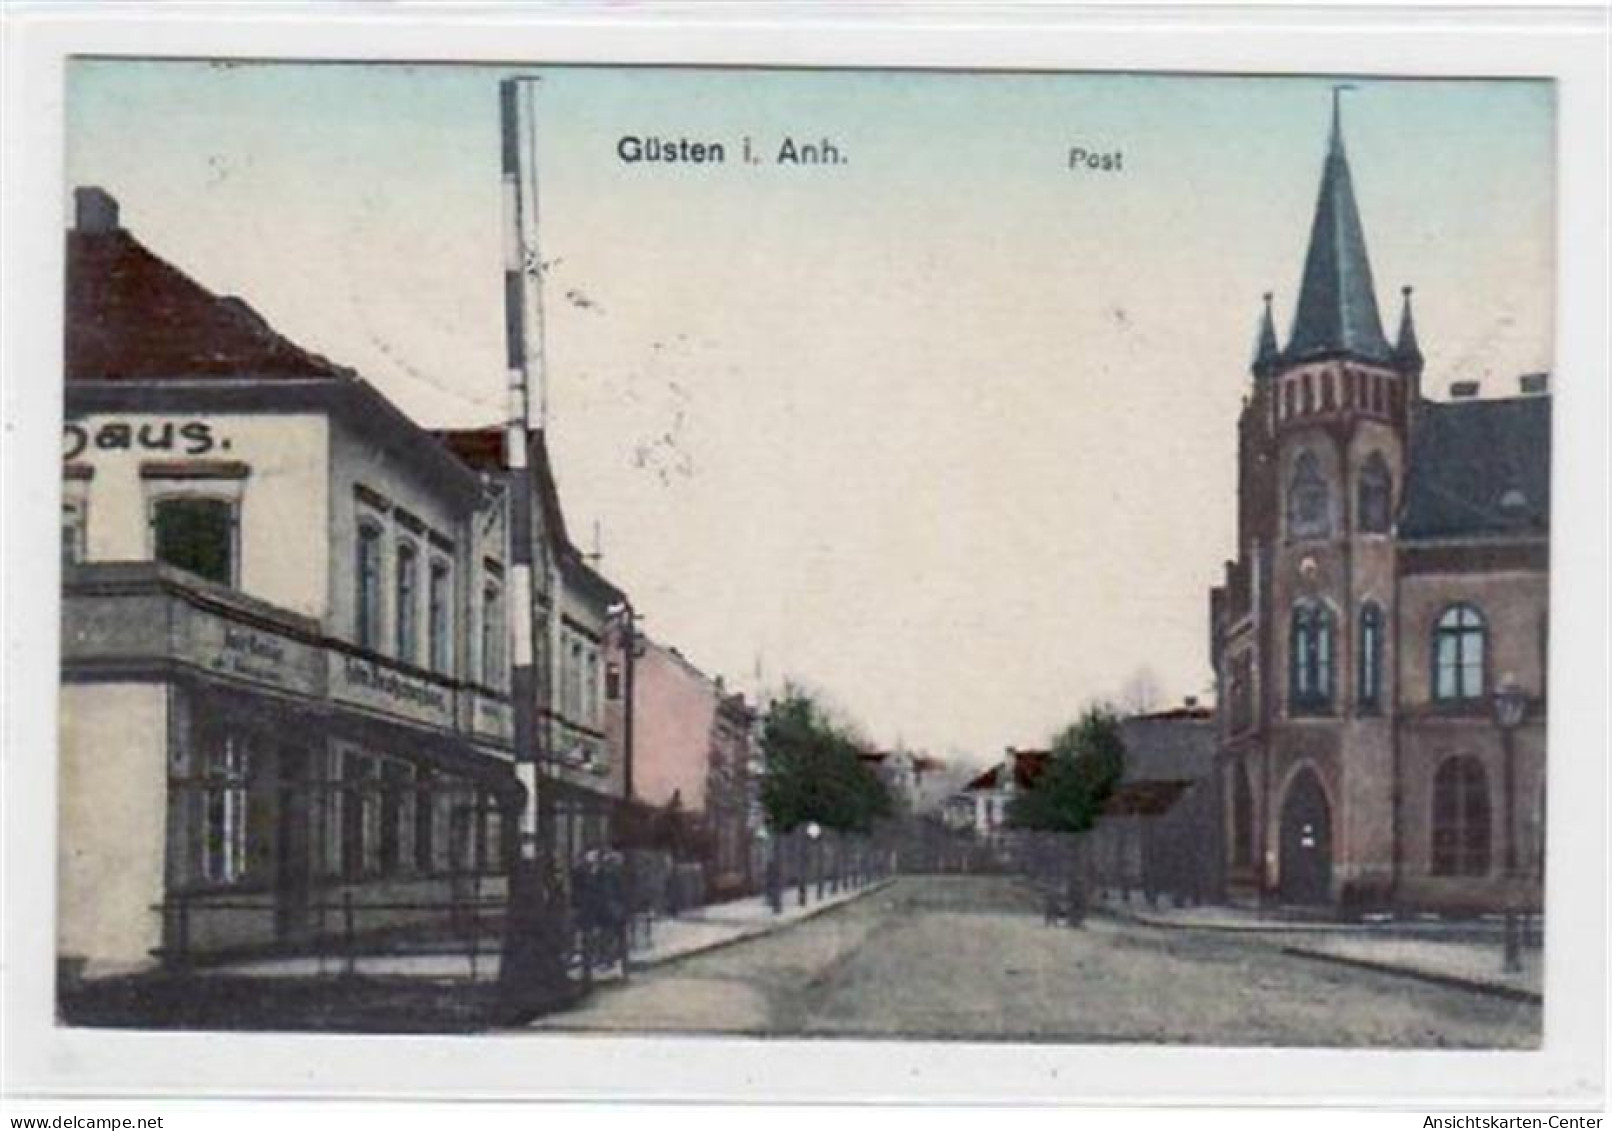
{"points": [[946, 431]]}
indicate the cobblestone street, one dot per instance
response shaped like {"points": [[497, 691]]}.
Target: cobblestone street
{"points": [[972, 958]]}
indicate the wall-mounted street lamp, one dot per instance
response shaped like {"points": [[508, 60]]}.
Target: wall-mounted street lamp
{"points": [[1510, 708]]}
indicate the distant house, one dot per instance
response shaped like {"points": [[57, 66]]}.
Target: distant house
{"points": [[981, 807], [910, 776], [693, 755]]}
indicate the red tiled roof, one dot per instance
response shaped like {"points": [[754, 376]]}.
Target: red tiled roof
{"points": [[1028, 765], [133, 316], [986, 780], [481, 448]]}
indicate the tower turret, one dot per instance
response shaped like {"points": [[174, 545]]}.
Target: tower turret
{"points": [[1337, 312], [1267, 354], [1406, 350]]}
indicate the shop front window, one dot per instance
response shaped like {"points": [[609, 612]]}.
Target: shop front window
{"points": [[225, 801], [360, 816]]}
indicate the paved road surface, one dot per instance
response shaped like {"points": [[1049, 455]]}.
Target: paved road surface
{"points": [[969, 957]]}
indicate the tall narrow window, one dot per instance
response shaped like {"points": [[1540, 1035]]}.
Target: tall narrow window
{"points": [[360, 816], [1460, 818], [438, 601], [395, 801], [196, 533], [367, 571], [1374, 498], [224, 819], [1311, 658], [408, 598], [1369, 674], [424, 820], [1309, 508], [492, 635], [590, 688], [1458, 643]]}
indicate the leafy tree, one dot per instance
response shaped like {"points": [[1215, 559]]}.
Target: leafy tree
{"points": [[1086, 763], [814, 772]]}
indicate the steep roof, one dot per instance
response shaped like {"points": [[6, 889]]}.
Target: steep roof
{"points": [[986, 779], [1337, 307], [1478, 468], [1267, 354], [1151, 798], [133, 316]]}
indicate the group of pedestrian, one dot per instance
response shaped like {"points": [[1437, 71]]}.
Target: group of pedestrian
{"points": [[599, 899]]}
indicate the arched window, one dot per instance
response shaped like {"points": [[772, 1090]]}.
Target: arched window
{"points": [[1242, 816], [367, 576], [1374, 501], [1460, 818], [1458, 642], [1310, 681], [1309, 509], [406, 620], [1369, 676]]}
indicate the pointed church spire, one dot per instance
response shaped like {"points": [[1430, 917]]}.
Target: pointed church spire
{"points": [[1337, 307], [1406, 350], [1267, 355]]}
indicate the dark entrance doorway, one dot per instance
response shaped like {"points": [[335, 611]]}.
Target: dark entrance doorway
{"points": [[293, 871], [1306, 842]]}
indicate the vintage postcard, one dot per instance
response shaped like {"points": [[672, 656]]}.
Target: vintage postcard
{"points": [[1052, 557]]}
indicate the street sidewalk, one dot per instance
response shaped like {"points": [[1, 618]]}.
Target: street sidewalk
{"points": [[721, 924], [1463, 953], [399, 990], [696, 930]]}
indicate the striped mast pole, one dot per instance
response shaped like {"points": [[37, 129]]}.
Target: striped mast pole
{"points": [[533, 969], [523, 341]]}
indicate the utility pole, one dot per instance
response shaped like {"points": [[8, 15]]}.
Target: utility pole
{"points": [[535, 943]]}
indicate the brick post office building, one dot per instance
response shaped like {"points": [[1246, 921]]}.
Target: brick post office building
{"points": [[1380, 639]]}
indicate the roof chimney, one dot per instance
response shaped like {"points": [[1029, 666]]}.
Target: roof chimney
{"points": [[1533, 384], [1464, 390], [96, 210]]}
